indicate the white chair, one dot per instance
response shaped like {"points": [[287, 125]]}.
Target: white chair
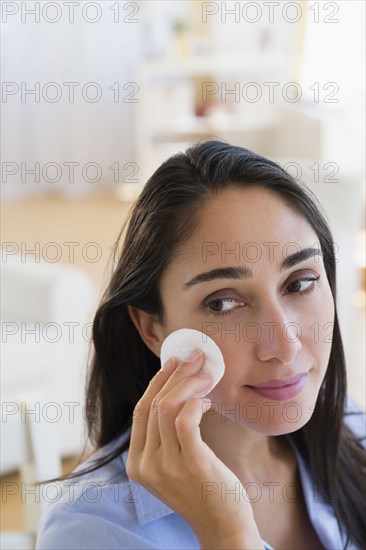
{"points": [[46, 314], [40, 460]]}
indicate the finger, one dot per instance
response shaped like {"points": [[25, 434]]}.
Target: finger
{"points": [[142, 409], [168, 408], [183, 370], [187, 427]]}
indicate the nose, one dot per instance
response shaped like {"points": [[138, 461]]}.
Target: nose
{"points": [[280, 336]]}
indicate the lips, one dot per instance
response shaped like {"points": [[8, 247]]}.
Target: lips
{"points": [[281, 390], [274, 384]]}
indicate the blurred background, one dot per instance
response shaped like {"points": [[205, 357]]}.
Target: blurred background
{"points": [[95, 95]]}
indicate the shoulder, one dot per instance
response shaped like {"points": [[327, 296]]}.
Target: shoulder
{"points": [[105, 509], [87, 509], [355, 419]]}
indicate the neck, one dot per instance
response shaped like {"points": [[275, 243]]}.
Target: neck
{"points": [[250, 455]]}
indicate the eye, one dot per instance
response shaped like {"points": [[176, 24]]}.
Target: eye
{"points": [[304, 286], [213, 304], [301, 287]]}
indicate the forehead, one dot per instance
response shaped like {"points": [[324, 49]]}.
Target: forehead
{"points": [[247, 221], [251, 215]]}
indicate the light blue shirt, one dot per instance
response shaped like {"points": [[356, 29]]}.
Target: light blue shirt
{"points": [[106, 510]]}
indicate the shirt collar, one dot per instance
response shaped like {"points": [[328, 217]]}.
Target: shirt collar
{"points": [[321, 513], [149, 508]]}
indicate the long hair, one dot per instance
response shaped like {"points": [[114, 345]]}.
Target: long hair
{"points": [[165, 214]]}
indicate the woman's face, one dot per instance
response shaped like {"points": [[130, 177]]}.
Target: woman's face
{"points": [[272, 323]]}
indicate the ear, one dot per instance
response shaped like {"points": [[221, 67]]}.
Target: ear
{"points": [[148, 328]]}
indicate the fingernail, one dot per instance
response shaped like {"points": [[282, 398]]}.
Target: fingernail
{"points": [[194, 355], [202, 393], [169, 365]]}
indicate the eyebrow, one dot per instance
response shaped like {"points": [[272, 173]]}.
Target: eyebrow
{"points": [[240, 272]]}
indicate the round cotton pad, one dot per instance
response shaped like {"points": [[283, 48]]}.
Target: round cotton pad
{"points": [[181, 342]]}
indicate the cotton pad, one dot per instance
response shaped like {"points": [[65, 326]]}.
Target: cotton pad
{"points": [[182, 342]]}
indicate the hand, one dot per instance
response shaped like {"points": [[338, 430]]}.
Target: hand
{"points": [[169, 458]]}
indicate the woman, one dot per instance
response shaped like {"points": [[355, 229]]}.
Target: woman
{"points": [[226, 242]]}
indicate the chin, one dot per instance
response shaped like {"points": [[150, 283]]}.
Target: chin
{"points": [[280, 418]]}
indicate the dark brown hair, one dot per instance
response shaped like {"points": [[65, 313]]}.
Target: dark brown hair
{"points": [[165, 214]]}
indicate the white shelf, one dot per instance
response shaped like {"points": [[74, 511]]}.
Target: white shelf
{"points": [[203, 64], [165, 113], [214, 124]]}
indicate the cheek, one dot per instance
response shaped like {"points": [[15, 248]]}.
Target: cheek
{"points": [[237, 355], [317, 328]]}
